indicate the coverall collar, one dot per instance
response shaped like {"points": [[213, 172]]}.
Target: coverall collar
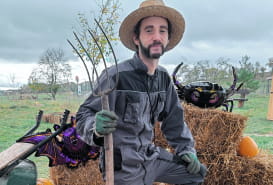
{"points": [[139, 65]]}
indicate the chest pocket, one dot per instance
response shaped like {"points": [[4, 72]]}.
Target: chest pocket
{"points": [[132, 108], [161, 103]]}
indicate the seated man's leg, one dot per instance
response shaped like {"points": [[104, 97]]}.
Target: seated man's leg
{"points": [[177, 174], [164, 169]]}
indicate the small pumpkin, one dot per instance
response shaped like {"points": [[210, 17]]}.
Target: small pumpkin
{"points": [[44, 181], [248, 147]]}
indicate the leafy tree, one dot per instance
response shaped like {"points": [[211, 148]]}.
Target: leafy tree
{"points": [[52, 71], [247, 74], [225, 73], [262, 70], [107, 16], [204, 70], [270, 64], [248, 78]]}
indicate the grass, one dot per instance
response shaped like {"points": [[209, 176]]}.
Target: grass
{"points": [[258, 127], [18, 116]]}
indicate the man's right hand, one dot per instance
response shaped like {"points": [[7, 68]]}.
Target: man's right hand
{"points": [[105, 122]]}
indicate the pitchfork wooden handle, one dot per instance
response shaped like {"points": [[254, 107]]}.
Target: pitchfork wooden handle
{"points": [[108, 147]]}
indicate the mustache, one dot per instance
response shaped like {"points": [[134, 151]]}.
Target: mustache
{"points": [[155, 43]]}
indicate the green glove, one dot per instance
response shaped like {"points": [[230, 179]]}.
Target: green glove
{"points": [[105, 122], [193, 162]]}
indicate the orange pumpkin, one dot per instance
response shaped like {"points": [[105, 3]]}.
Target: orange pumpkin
{"points": [[248, 147], [44, 181]]}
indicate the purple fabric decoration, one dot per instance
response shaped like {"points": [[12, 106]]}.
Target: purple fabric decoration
{"points": [[67, 149]]}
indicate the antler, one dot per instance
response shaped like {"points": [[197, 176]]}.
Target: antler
{"points": [[231, 89], [175, 81]]}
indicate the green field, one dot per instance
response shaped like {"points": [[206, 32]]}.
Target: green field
{"points": [[17, 116], [258, 127]]}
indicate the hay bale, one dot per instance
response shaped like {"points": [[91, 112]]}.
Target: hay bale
{"points": [[83, 175], [217, 135], [87, 174], [236, 170], [55, 117], [215, 131]]}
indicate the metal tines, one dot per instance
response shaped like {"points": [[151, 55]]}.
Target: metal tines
{"points": [[101, 91]]}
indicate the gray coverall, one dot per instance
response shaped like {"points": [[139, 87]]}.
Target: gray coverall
{"points": [[139, 100]]}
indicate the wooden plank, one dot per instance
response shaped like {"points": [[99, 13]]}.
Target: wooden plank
{"points": [[270, 104], [13, 153]]}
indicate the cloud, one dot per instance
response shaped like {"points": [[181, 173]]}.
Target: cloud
{"points": [[20, 72], [214, 29], [225, 20], [28, 28]]}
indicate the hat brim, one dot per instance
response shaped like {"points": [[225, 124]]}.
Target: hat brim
{"points": [[126, 31]]}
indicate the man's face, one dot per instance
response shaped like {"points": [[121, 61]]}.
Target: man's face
{"points": [[153, 37]]}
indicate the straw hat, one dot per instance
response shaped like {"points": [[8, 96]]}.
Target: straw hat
{"points": [[152, 8]]}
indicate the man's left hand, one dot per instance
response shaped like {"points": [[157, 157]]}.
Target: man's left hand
{"points": [[193, 162]]}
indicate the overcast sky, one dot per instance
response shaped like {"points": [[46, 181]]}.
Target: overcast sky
{"points": [[214, 29]]}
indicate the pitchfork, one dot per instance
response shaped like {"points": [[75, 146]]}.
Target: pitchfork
{"points": [[103, 93]]}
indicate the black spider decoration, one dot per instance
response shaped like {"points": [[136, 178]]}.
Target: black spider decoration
{"points": [[206, 94]]}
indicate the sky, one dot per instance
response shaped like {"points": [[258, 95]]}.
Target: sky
{"points": [[214, 29]]}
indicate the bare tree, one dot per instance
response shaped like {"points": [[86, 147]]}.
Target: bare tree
{"points": [[52, 71], [12, 78]]}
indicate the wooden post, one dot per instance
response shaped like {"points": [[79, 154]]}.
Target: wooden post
{"points": [[270, 104], [240, 103], [108, 147]]}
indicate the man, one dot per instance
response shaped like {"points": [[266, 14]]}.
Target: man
{"points": [[144, 95]]}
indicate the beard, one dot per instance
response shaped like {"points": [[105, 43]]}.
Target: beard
{"points": [[146, 50]]}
